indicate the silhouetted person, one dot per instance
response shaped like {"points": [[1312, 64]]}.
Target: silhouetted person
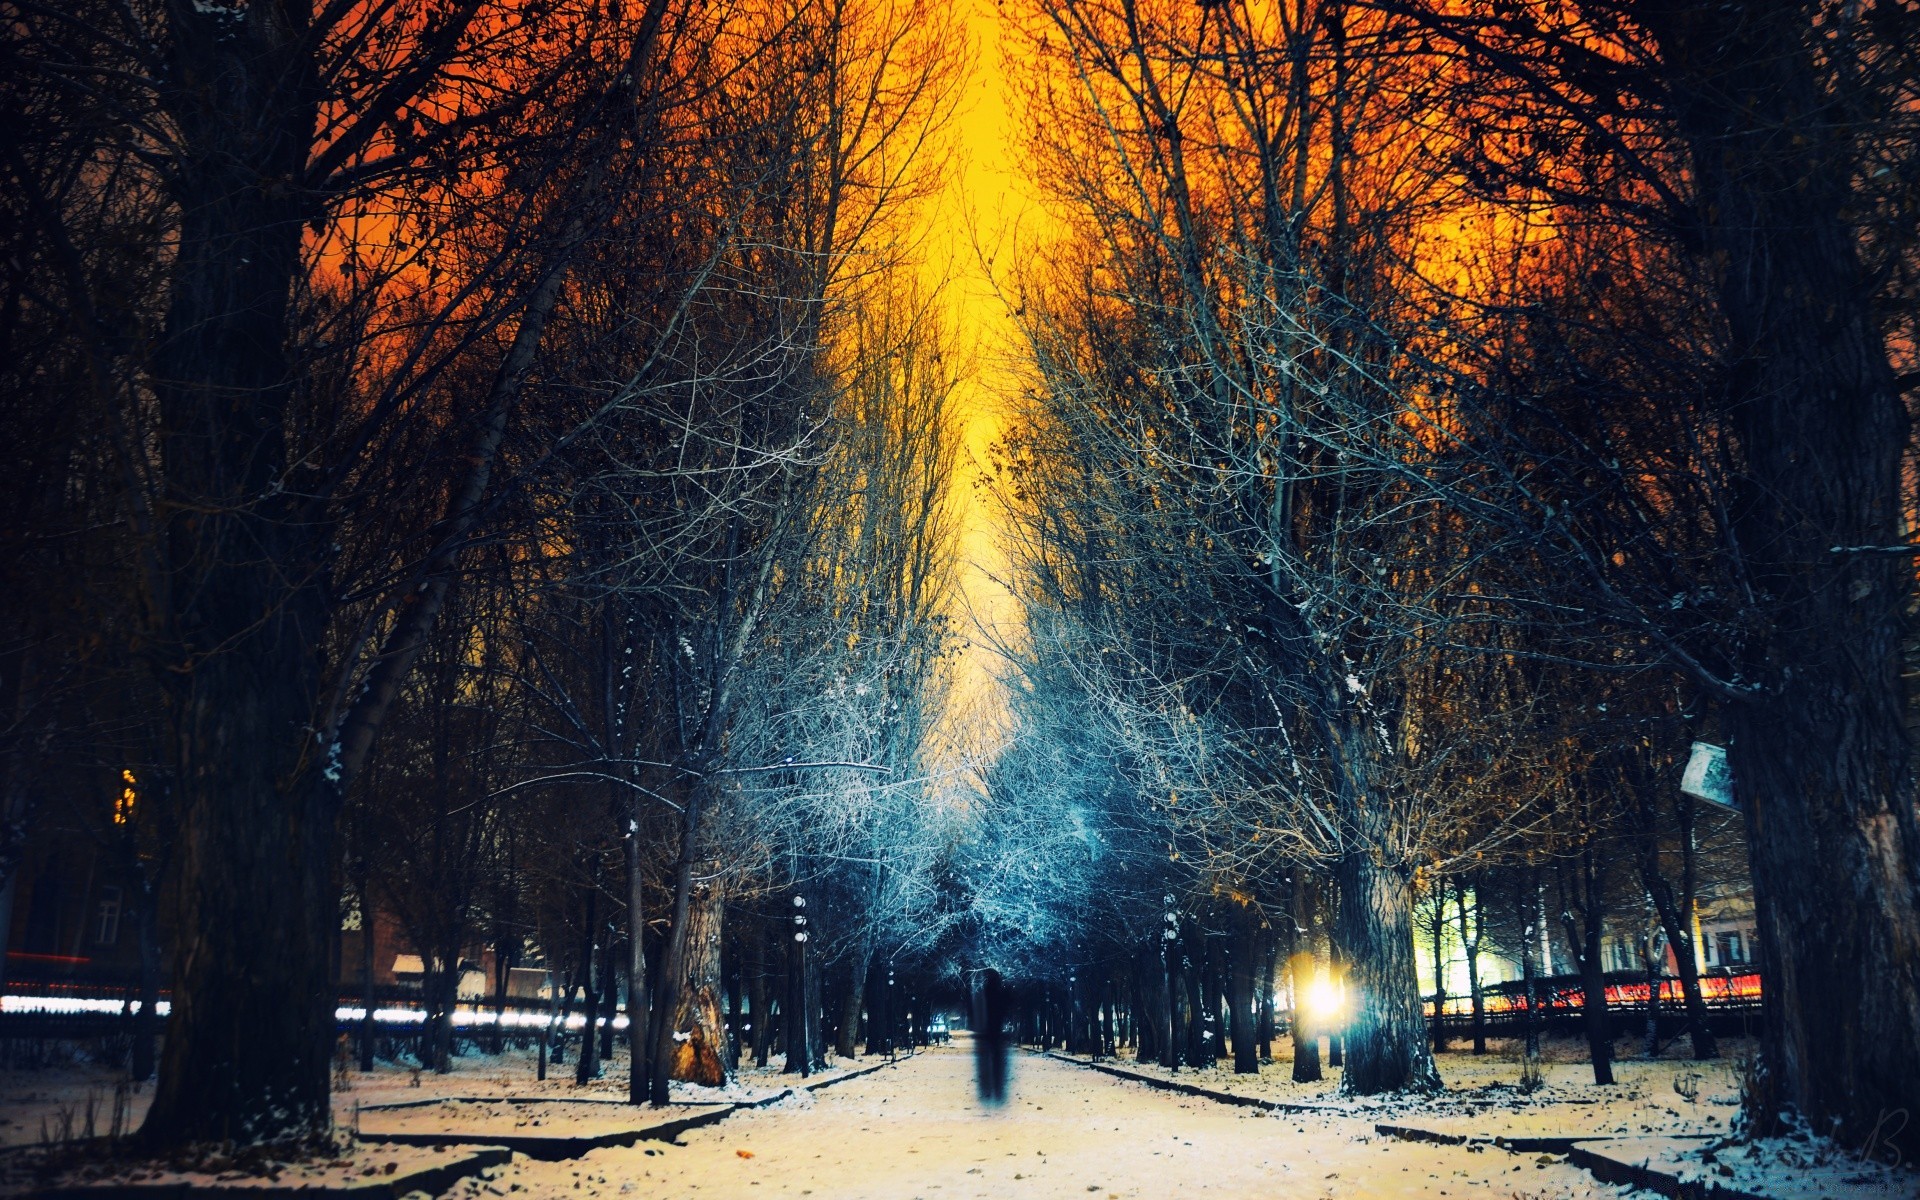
{"points": [[990, 1037]]}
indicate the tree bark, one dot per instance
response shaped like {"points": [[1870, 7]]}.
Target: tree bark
{"points": [[1246, 1055], [1583, 937], [1192, 1008], [814, 1008], [146, 1022], [759, 996], [699, 1028], [588, 1067], [1438, 927], [1470, 942], [673, 956], [1527, 908], [638, 1007], [1593, 984], [609, 991], [1306, 1035], [1269, 960], [1655, 979], [1386, 1044], [1308, 918], [1679, 929], [1820, 758], [879, 1009], [845, 1045], [248, 1052], [1166, 1030]]}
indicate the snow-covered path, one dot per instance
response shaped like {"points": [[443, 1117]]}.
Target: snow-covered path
{"points": [[917, 1131]]}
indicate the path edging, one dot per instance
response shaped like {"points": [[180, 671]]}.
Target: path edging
{"points": [[1589, 1155], [1191, 1089], [549, 1148], [434, 1179], [1586, 1153]]}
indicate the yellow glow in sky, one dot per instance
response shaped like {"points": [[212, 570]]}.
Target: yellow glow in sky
{"points": [[988, 200]]}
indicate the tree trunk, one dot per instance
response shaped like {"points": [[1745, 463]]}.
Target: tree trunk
{"points": [[1528, 909], [730, 969], [1149, 986], [589, 1065], [673, 956], [559, 1038], [699, 1029], [1679, 930], [502, 974], [1438, 927], [1269, 961], [249, 1046], [146, 1022], [879, 1009], [638, 1007], [368, 1030], [1470, 942], [1675, 912], [247, 1056], [553, 1021], [1175, 1050], [845, 1045], [610, 973], [1308, 920], [1593, 984], [1820, 759], [1306, 1031], [1655, 979], [1199, 1052], [1584, 938], [760, 996], [815, 1008], [1246, 1056], [1386, 1044]]}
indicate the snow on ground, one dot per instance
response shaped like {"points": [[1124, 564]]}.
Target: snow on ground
{"points": [[354, 1164], [1649, 1096], [487, 1121], [917, 1131], [1066, 1131], [1791, 1169], [53, 1098]]}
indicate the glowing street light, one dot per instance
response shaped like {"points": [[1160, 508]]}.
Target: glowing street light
{"points": [[1324, 1000]]}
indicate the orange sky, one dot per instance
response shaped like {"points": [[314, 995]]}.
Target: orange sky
{"points": [[987, 200]]}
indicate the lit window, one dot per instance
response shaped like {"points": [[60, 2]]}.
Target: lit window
{"points": [[123, 807], [1730, 949], [106, 927]]}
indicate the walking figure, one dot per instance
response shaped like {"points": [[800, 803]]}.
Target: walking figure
{"points": [[990, 1037]]}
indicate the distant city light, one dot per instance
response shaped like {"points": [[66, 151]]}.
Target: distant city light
{"points": [[463, 1018], [63, 1006]]}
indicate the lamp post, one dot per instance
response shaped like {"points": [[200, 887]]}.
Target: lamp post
{"points": [[799, 1051], [1073, 1012], [1165, 1025]]}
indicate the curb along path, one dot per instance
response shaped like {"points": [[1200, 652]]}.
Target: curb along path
{"points": [[551, 1148], [433, 1178], [467, 1154], [1193, 1089], [1609, 1159]]}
